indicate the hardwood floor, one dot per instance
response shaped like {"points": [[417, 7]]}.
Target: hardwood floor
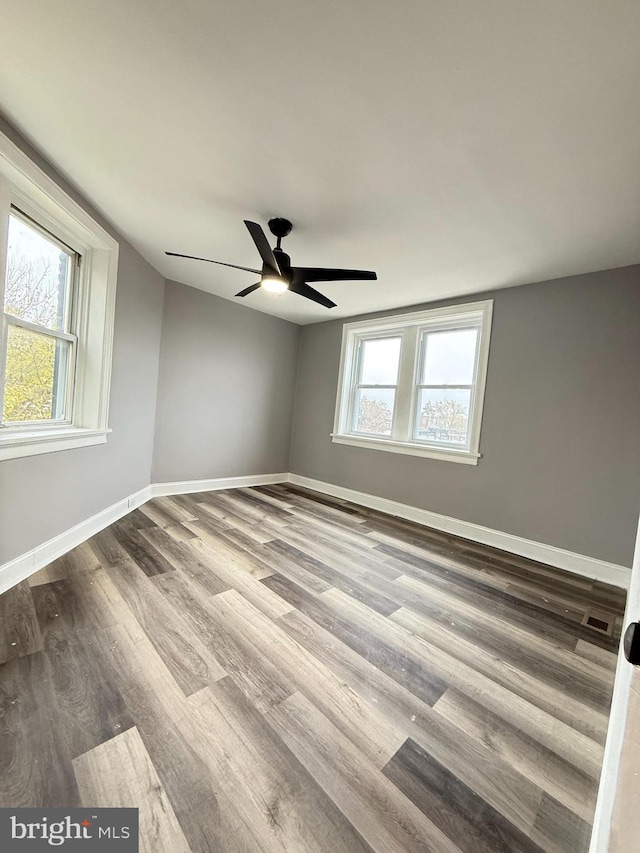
{"points": [[270, 669]]}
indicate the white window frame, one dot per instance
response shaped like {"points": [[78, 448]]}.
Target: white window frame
{"points": [[410, 328], [26, 187], [356, 384], [66, 333]]}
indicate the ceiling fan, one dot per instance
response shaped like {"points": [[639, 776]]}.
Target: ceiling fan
{"points": [[277, 275]]}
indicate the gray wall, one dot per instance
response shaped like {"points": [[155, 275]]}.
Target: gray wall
{"points": [[560, 450], [42, 496], [226, 389]]}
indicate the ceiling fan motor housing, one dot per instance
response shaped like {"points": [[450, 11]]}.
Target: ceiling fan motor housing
{"points": [[284, 262]]}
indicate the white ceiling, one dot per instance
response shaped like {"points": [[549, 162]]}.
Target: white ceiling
{"points": [[451, 145]]}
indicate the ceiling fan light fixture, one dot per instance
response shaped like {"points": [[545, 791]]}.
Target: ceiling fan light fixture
{"points": [[278, 275], [274, 285]]}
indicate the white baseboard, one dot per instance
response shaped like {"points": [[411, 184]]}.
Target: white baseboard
{"points": [[185, 487], [27, 564], [22, 567], [579, 564]]}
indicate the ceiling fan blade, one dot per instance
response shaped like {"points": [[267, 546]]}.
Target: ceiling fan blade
{"points": [[248, 290], [319, 274], [262, 245], [209, 261], [302, 288]]}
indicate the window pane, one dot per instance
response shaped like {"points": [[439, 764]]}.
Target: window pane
{"points": [[38, 276], [374, 410], [443, 416], [449, 357], [380, 358], [36, 377]]}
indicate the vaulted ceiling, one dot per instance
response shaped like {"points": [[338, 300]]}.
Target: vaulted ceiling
{"points": [[451, 145]]}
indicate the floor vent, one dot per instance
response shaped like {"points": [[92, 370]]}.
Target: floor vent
{"points": [[602, 622]]}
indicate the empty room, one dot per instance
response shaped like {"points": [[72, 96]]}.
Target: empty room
{"points": [[319, 449]]}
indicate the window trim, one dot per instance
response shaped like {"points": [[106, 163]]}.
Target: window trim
{"points": [[410, 328], [25, 186]]}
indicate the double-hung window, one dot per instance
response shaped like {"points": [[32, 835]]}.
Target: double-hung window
{"points": [[376, 385], [58, 270], [39, 343], [414, 383]]}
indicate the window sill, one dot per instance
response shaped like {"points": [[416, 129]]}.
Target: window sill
{"points": [[16, 444], [463, 456]]}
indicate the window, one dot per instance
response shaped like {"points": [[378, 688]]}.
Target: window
{"points": [[376, 385], [414, 383], [39, 363], [57, 295]]}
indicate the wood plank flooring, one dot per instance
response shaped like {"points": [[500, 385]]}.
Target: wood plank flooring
{"points": [[271, 669]]}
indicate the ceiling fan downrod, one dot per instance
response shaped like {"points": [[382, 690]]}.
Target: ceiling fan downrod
{"points": [[280, 228]]}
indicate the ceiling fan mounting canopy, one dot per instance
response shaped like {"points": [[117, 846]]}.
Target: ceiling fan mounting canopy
{"points": [[277, 275], [279, 227]]}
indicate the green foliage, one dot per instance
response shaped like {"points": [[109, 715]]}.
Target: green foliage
{"points": [[31, 293], [29, 377]]}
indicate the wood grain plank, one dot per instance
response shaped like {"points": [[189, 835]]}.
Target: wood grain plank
{"points": [[339, 574], [228, 549], [234, 576], [185, 560], [499, 596], [471, 823], [252, 503], [35, 768], [283, 799], [19, 631], [384, 817], [84, 558], [447, 549], [376, 737], [94, 600], [285, 563], [55, 571], [262, 682], [389, 657], [557, 702], [558, 830], [177, 507], [138, 549], [603, 658], [521, 646], [87, 705], [232, 521], [475, 763], [568, 785], [350, 551], [163, 517], [193, 664], [335, 510], [354, 536], [120, 774], [572, 745], [552, 594], [159, 709]]}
